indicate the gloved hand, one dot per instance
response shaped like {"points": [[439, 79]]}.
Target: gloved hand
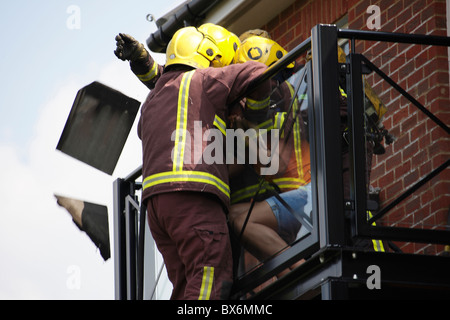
{"points": [[128, 48]]}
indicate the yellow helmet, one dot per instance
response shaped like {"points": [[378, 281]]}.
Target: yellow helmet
{"points": [[254, 32], [227, 42], [341, 55], [260, 49], [192, 47]]}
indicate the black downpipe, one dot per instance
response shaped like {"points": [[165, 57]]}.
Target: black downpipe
{"points": [[189, 15]]}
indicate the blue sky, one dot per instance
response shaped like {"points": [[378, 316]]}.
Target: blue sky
{"points": [[40, 52], [42, 65]]}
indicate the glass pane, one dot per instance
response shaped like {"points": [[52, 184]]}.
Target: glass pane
{"points": [[407, 145], [281, 213]]}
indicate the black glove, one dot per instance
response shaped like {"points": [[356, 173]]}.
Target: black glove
{"points": [[128, 48]]}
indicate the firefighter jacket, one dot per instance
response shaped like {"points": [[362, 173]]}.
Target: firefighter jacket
{"points": [[175, 128], [297, 170], [147, 71], [294, 168]]}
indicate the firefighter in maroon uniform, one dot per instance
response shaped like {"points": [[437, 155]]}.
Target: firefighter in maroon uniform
{"points": [[271, 227], [188, 196]]}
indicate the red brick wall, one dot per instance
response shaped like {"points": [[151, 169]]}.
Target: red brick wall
{"points": [[421, 146], [294, 24]]}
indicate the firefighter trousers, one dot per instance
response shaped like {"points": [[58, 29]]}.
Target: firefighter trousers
{"points": [[191, 232]]}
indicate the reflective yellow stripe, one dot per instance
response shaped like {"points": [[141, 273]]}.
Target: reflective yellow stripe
{"points": [[377, 244], [296, 133], [250, 191], [220, 124], [268, 125], [288, 186], [178, 174], [279, 120], [289, 183], [182, 111], [342, 92], [246, 193], [188, 176], [257, 105], [288, 179], [149, 75], [207, 282]]}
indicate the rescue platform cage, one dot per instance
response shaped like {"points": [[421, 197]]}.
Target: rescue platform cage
{"points": [[337, 223]]}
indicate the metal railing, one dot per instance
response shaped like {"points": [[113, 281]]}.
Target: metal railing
{"points": [[364, 227]]}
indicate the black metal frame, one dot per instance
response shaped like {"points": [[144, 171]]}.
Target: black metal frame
{"points": [[329, 272], [326, 163], [362, 226], [129, 231], [327, 183], [336, 273], [303, 247]]}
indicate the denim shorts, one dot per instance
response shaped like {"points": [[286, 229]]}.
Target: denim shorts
{"points": [[288, 225]]}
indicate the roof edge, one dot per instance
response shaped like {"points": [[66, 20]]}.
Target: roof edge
{"points": [[188, 14]]}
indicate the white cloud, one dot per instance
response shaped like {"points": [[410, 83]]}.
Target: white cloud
{"points": [[38, 240]]}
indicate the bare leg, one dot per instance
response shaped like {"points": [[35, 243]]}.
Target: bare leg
{"points": [[73, 206], [260, 236]]}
